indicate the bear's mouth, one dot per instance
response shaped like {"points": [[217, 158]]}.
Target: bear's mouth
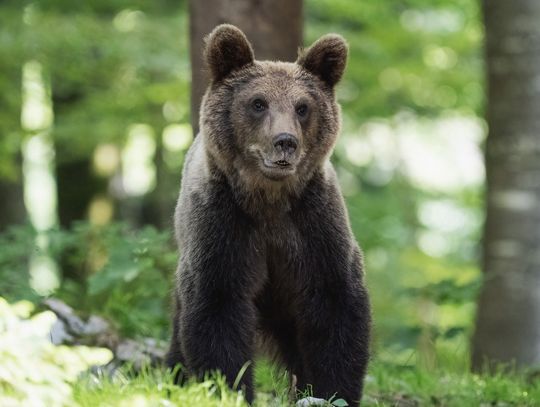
{"points": [[280, 163], [277, 169], [273, 166]]}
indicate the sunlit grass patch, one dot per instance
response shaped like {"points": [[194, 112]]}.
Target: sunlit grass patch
{"points": [[386, 385], [153, 387], [391, 385]]}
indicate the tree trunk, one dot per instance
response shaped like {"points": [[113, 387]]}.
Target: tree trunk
{"points": [[12, 210], [77, 185], [508, 320], [274, 28], [75, 180], [158, 205]]}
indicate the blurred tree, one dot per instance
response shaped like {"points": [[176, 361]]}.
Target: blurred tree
{"points": [[11, 178], [508, 328], [11, 202], [12, 208], [106, 74], [76, 181], [274, 28]]}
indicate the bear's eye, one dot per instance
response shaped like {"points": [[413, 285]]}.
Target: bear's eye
{"points": [[302, 110], [258, 105]]}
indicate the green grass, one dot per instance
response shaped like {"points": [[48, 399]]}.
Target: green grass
{"points": [[153, 388], [394, 386], [386, 385]]}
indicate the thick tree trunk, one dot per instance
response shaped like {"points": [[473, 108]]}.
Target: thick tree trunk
{"points": [[274, 28], [508, 320]]}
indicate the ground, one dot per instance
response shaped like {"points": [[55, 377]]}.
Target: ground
{"points": [[386, 385], [36, 372]]}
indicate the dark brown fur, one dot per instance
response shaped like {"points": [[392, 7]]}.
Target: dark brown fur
{"points": [[266, 249]]}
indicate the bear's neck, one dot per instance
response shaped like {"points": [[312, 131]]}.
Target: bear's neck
{"points": [[257, 195]]}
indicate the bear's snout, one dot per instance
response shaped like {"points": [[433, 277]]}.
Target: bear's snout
{"points": [[285, 143]]}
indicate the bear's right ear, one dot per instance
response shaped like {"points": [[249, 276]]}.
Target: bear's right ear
{"points": [[227, 49], [326, 58]]}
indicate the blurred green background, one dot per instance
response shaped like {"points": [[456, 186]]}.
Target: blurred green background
{"points": [[95, 122]]}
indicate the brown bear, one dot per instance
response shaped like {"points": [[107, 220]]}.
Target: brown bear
{"points": [[267, 252]]}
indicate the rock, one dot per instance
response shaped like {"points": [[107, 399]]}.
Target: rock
{"points": [[59, 333], [132, 352], [96, 331], [99, 332], [96, 326], [155, 349], [65, 313], [139, 353], [311, 401]]}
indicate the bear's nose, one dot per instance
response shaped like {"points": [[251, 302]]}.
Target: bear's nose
{"points": [[285, 142]]}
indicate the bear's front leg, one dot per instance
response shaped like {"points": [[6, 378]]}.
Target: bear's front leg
{"points": [[333, 311], [219, 274], [218, 335], [334, 344]]}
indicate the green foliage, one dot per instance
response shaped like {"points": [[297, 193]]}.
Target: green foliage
{"points": [[421, 55], [107, 73], [16, 245], [128, 275], [119, 273], [33, 370], [11, 55]]}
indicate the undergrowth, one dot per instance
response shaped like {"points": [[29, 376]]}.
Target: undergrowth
{"points": [[386, 385]]}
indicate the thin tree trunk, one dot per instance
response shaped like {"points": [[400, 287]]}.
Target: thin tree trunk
{"points": [[274, 28], [77, 185], [76, 182], [12, 210], [508, 320], [157, 206]]}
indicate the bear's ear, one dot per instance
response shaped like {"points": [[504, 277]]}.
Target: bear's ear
{"points": [[326, 58], [227, 49]]}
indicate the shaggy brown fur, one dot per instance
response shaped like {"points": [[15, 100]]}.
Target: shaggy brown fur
{"points": [[266, 247]]}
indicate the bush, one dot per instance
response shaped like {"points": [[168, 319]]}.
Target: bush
{"points": [[33, 371], [121, 274], [113, 271]]}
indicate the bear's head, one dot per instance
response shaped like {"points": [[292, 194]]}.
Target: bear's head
{"points": [[270, 123]]}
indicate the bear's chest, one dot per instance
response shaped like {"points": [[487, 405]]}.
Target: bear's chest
{"points": [[284, 246], [280, 234]]}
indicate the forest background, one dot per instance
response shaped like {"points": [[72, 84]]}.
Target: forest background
{"points": [[96, 116]]}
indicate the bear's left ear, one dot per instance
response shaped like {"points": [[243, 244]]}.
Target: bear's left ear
{"points": [[227, 49], [326, 58]]}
